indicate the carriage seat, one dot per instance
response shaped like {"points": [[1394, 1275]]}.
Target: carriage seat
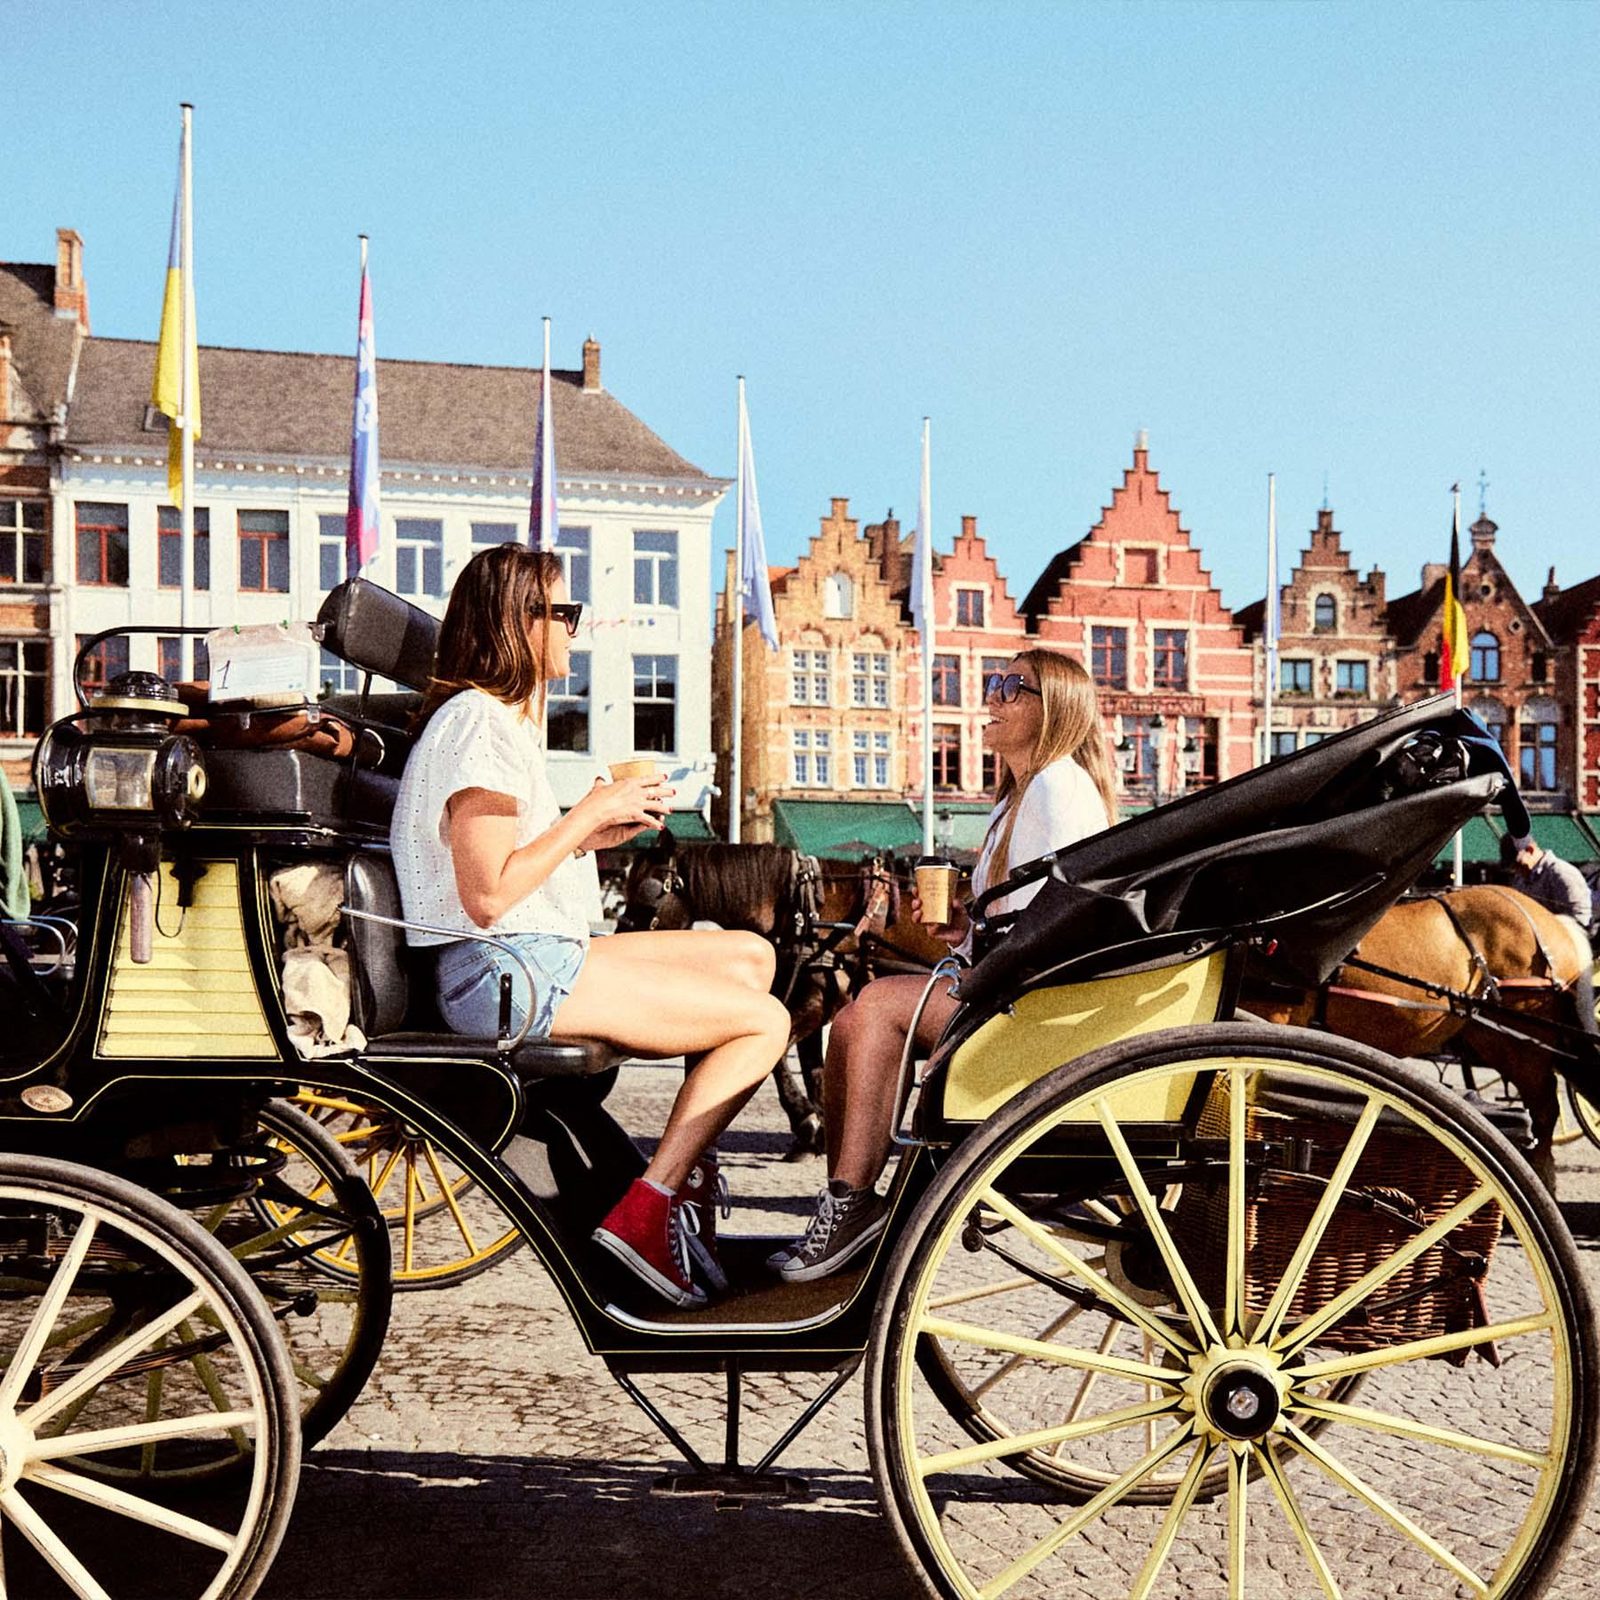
{"points": [[386, 1008], [366, 625]]}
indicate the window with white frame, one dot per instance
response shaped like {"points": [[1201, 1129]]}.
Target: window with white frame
{"points": [[655, 568], [800, 752], [22, 541], [569, 705], [880, 761], [808, 679], [24, 680], [822, 757], [572, 545], [860, 758], [869, 678], [811, 750], [655, 703], [331, 560], [970, 607], [338, 676], [419, 556], [1350, 677]]}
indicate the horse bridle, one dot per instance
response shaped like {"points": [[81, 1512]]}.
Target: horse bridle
{"points": [[650, 896]]}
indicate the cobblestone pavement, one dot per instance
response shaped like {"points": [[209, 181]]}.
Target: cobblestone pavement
{"points": [[491, 1456]]}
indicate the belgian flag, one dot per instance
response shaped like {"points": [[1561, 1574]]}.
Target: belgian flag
{"points": [[1453, 656]]}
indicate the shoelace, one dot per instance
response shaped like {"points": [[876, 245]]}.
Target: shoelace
{"points": [[681, 1222], [719, 1196], [820, 1228]]}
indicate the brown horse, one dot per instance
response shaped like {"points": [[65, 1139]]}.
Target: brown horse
{"points": [[1515, 963]]}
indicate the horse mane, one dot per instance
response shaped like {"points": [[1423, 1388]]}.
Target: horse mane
{"points": [[731, 883]]}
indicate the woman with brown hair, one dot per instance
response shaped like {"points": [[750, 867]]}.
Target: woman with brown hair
{"points": [[1055, 787], [480, 845]]}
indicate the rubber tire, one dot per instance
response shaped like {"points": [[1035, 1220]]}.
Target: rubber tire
{"points": [[1289, 1045]]}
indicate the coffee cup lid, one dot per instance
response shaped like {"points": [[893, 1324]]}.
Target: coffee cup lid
{"points": [[934, 861]]}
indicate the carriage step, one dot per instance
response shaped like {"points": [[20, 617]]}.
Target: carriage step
{"points": [[732, 1491]]}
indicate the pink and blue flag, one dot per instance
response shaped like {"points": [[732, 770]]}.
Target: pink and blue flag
{"points": [[361, 519], [544, 530]]}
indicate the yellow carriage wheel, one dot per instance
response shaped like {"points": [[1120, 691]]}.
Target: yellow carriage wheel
{"points": [[445, 1228], [1279, 1214], [1580, 1116]]}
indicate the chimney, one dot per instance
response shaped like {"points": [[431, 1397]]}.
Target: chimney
{"points": [[72, 294], [1325, 519], [969, 527], [591, 365], [1141, 448], [841, 508], [1551, 587]]}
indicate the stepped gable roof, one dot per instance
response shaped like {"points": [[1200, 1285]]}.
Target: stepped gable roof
{"points": [[41, 341], [1409, 614], [289, 404], [1048, 584], [1251, 619], [1565, 614]]}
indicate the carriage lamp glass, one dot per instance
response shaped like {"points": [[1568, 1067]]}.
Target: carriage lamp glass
{"points": [[120, 780]]}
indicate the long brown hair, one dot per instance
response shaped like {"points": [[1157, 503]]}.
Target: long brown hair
{"points": [[484, 641], [1069, 726]]}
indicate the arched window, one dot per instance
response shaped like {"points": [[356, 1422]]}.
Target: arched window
{"points": [[1324, 614], [1539, 723], [838, 596], [1485, 658], [1493, 715]]}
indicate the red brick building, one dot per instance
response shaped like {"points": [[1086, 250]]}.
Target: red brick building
{"points": [[1512, 671], [1173, 667], [44, 318], [1336, 661], [1572, 619]]}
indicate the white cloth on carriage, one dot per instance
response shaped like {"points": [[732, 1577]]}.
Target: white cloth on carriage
{"points": [[316, 973], [474, 741], [1059, 807]]}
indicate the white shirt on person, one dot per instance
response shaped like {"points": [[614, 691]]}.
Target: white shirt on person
{"points": [[1059, 807], [474, 741]]}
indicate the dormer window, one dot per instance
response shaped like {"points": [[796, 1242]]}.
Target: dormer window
{"points": [[970, 608], [1324, 614]]}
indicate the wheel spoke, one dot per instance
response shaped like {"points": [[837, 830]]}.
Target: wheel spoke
{"points": [[1102, 1286], [93, 1440], [42, 1537], [1060, 1354], [960, 1297], [129, 1505], [1234, 1296], [1300, 1261], [1086, 1382], [1199, 1313], [1278, 1478], [1018, 1444], [1238, 1519], [1011, 1363], [1404, 1428], [450, 1200], [381, 1182], [1338, 1308], [1419, 1349], [1385, 1508], [91, 1376], [410, 1234], [1176, 1512], [44, 1317], [1098, 1506]]}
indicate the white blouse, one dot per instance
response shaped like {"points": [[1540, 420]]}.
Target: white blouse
{"points": [[1060, 807], [474, 741]]}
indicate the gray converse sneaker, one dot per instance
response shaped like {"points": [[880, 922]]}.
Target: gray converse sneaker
{"points": [[845, 1222]]}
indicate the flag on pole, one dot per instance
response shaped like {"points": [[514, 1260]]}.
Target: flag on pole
{"points": [[177, 346], [1453, 650], [543, 528], [755, 591], [361, 522]]}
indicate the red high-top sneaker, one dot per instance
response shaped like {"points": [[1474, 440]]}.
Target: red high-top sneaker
{"points": [[703, 1195], [645, 1231]]}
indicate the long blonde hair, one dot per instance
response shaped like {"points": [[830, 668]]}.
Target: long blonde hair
{"points": [[1069, 726]]}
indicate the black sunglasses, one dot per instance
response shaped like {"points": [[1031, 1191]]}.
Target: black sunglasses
{"points": [[568, 612], [1008, 685]]}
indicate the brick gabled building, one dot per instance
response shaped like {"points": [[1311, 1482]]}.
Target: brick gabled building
{"points": [[1173, 667], [44, 319], [1336, 661], [1511, 680], [826, 712], [1572, 619]]}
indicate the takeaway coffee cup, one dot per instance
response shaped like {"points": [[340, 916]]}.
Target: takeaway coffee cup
{"points": [[936, 882], [639, 767]]}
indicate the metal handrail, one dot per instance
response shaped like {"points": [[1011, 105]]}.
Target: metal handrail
{"points": [[47, 924], [481, 938], [947, 966]]}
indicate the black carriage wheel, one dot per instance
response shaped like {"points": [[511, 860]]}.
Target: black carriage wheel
{"points": [[125, 1328], [1298, 1182]]}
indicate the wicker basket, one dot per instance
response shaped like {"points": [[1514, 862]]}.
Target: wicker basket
{"points": [[1404, 1181]]}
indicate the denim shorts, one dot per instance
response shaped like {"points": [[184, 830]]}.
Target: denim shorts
{"points": [[469, 982]]}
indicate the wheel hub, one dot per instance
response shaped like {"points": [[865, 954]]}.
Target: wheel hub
{"points": [[1238, 1395]]}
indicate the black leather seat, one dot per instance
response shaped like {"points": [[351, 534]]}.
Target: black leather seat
{"points": [[379, 632], [382, 1002]]}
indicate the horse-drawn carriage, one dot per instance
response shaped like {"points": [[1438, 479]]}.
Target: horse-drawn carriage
{"points": [[1157, 1278]]}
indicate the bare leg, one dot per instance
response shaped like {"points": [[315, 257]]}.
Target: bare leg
{"points": [[747, 958], [655, 1007], [861, 1075]]}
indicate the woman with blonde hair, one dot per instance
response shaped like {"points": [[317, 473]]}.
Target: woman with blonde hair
{"points": [[1055, 787], [481, 845]]}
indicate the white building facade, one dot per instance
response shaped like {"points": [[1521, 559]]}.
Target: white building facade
{"points": [[270, 495]]}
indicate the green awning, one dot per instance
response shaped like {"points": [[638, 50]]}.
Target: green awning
{"points": [[688, 827], [845, 829], [1480, 842], [1565, 835]]}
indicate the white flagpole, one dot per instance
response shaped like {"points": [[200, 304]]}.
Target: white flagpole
{"points": [[1269, 617], [924, 556], [1457, 864], [186, 399], [736, 646]]}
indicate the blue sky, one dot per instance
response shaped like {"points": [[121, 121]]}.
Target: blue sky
{"points": [[1347, 241]]}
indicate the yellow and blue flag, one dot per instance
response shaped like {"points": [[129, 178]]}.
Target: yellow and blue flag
{"points": [[177, 346]]}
